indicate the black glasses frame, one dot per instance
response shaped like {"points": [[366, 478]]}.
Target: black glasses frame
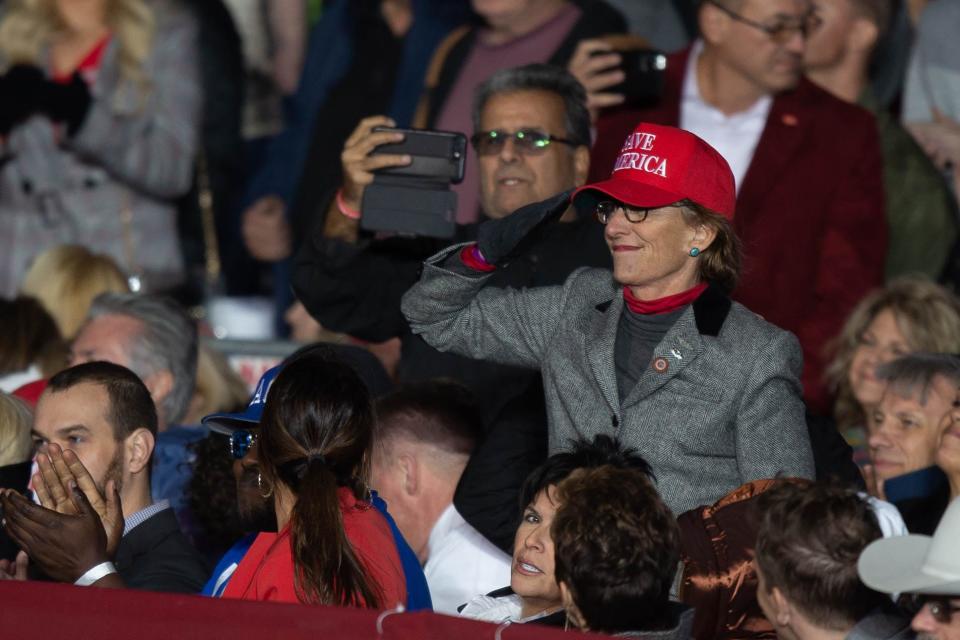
{"points": [[526, 140], [779, 33], [605, 210], [941, 608]]}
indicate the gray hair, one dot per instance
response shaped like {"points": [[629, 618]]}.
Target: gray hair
{"points": [[540, 77], [916, 372], [168, 343]]}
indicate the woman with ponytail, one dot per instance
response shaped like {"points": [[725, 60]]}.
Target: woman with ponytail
{"points": [[332, 547]]}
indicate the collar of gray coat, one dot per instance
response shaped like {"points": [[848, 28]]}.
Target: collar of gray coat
{"points": [[709, 310]]}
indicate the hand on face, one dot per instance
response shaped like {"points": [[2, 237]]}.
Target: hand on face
{"points": [[63, 546], [59, 472]]}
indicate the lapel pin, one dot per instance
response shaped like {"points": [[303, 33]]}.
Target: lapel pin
{"points": [[790, 120], [676, 354], [660, 365]]}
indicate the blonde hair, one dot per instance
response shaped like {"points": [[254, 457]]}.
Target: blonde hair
{"points": [[219, 388], [66, 279], [926, 313], [15, 419], [29, 26]]}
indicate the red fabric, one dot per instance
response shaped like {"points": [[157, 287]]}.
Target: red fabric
{"points": [[665, 304], [472, 257], [89, 64], [45, 610], [31, 392], [810, 211], [660, 165], [266, 572]]}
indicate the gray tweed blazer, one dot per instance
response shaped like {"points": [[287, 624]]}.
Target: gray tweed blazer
{"points": [[726, 409], [129, 154]]}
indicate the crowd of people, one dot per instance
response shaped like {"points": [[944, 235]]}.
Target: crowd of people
{"points": [[687, 364]]}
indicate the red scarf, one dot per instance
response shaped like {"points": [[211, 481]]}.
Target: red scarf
{"points": [[662, 305], [88, 65]]}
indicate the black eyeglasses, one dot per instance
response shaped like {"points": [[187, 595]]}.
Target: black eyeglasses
{"points": [[240, 442], [780, 30], [529, 141], [607, 208], [941, 609]]}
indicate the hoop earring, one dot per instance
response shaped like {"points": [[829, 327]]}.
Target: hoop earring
{"points": [[694, 252], [260, 486]]}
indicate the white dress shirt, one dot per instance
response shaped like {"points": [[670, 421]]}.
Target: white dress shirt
{"points": [[735, 136], [461, 563]]}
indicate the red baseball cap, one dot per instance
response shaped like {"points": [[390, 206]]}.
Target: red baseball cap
{"points": [[661, 165]]}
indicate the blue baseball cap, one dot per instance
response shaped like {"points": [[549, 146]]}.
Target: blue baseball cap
{"points": [[226, 423]]}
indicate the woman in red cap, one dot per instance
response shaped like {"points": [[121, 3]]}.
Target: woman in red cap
{"points": [[654, 353]]}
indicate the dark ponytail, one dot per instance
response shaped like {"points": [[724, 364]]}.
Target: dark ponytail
{"points": [[315, 434]]}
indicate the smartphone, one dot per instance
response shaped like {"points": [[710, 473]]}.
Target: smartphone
{"points": [[416, 199], [435, 154], [645, 70]]}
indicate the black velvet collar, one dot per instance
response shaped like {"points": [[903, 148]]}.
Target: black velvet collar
{"points": [[710, 310]]}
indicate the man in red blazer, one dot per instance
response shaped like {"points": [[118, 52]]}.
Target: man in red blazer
{"points": [[810, 199]]}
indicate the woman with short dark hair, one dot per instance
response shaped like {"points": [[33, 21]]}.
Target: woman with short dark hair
{"points": [[533, 594], [617, 549]]}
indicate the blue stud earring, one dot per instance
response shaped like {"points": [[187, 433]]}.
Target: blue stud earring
{"points": [[694, 252]]}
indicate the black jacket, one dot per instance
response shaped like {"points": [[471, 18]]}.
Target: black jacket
{"points": [[156, 556]]}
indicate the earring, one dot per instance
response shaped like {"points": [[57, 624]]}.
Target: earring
{"points": [[694, 252], [260, 487]]}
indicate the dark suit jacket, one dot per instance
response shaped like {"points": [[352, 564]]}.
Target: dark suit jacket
{"points": [[810, 211], [156, 556]]}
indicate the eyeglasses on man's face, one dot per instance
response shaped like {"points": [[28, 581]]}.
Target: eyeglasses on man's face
{"points": [[941, 608], [779, 29], [607, 208], [240, 442], [527, 141]]}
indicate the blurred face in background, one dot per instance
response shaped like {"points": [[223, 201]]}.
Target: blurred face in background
{"points": [[516, 16], [827, 45], [907, 427], [771, 63], [881, 342]]}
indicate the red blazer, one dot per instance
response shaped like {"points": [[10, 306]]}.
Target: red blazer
{"points": [[267, 570], [810, 211]]}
